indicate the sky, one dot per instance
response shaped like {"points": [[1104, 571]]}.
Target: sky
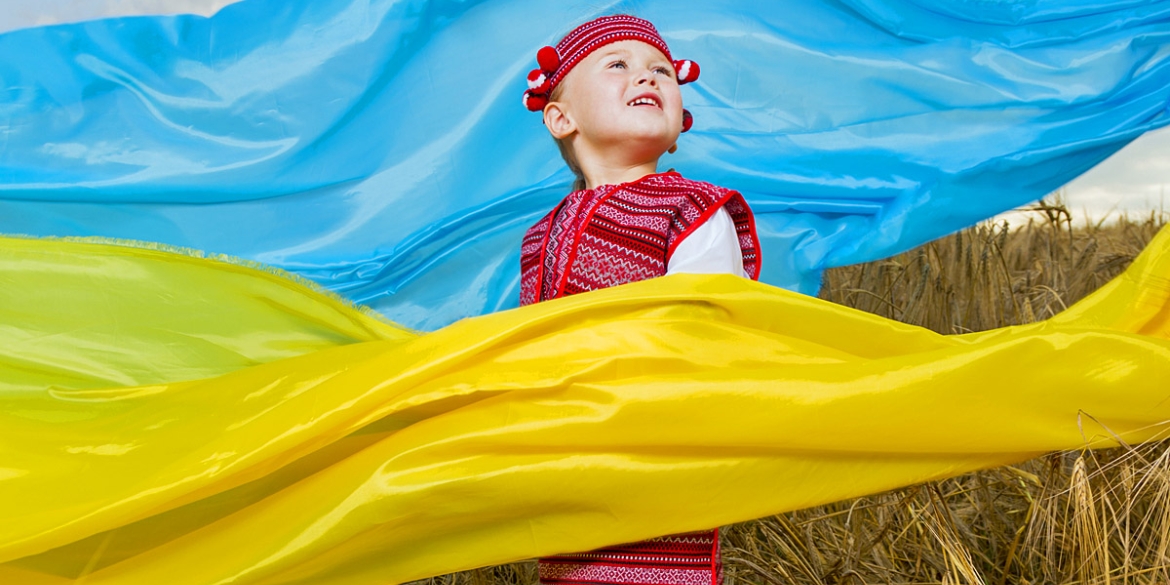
{"points": [[16, 14], [1135, 180]]}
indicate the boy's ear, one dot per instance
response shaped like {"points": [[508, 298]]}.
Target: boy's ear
{"points": [[557, 120]]}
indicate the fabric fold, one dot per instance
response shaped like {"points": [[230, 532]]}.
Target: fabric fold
{"points": [[384, 455], [349, 141]]}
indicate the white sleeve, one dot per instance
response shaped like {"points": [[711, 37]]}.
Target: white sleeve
{"points": [[713, 248]]}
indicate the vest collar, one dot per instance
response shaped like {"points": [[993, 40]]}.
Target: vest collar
{"points": [[610, 186]]}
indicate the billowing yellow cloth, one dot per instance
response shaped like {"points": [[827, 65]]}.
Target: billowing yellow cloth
{"points": [[181, 420]]}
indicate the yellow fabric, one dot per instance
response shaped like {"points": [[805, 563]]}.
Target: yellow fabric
{"points": [[321, 446], [79, 315]]}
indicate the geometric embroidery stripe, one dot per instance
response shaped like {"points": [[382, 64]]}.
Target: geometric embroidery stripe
{"points": [[678, 562], [606, 574], [561, 242], [639, 563], [684, 548], [588, 205]]}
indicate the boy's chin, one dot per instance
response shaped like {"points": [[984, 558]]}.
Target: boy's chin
{"points": [[647, 142]]}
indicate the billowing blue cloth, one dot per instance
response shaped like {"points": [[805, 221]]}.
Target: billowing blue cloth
{"points": [[380, 147]]}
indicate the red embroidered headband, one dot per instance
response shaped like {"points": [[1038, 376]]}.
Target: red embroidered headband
{"points": [[556, 62]]}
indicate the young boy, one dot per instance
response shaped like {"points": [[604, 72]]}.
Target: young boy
{"points": [[610, 96]]}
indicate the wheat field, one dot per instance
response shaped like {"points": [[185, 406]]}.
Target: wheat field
{"points": [[1073, 517]]}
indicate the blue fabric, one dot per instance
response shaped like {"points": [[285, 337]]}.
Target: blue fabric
{"points": [[380, 147]]}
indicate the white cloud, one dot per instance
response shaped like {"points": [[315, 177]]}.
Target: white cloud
{"points": [[1137, 178], [1134, 181], [15, 14]]}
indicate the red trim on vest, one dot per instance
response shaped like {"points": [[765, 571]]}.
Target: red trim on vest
{"points": [[617, 234], [560, 290]]}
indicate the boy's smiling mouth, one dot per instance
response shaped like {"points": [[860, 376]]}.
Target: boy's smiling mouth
{"points": [[646, 99]]}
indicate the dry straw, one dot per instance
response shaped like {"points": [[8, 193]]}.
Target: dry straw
{"points": [[1075, 517]]}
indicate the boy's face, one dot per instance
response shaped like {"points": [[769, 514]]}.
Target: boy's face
{"points": [[625, 95]]}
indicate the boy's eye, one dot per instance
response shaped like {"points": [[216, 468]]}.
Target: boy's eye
{"points": [[618, 64], [662, 71]]}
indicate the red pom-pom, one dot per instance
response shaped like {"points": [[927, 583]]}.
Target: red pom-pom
{"points": [[538, 81], [548, 59], [687, 70], [535, 103], [688, 120]]}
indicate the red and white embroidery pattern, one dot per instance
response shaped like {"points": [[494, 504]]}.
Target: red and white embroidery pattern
{"points": [[681, 559], [612, 235], [595, 573]]}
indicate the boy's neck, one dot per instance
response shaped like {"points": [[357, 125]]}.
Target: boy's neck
{"points": [[599, 173]]}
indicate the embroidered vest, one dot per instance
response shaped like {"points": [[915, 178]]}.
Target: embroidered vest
{"points": [[615, 234]]}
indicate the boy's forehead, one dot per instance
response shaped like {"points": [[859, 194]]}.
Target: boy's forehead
{"points": [[629, 47]]}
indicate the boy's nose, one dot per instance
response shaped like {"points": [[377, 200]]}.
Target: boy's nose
{"points": [[646, 77]]}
